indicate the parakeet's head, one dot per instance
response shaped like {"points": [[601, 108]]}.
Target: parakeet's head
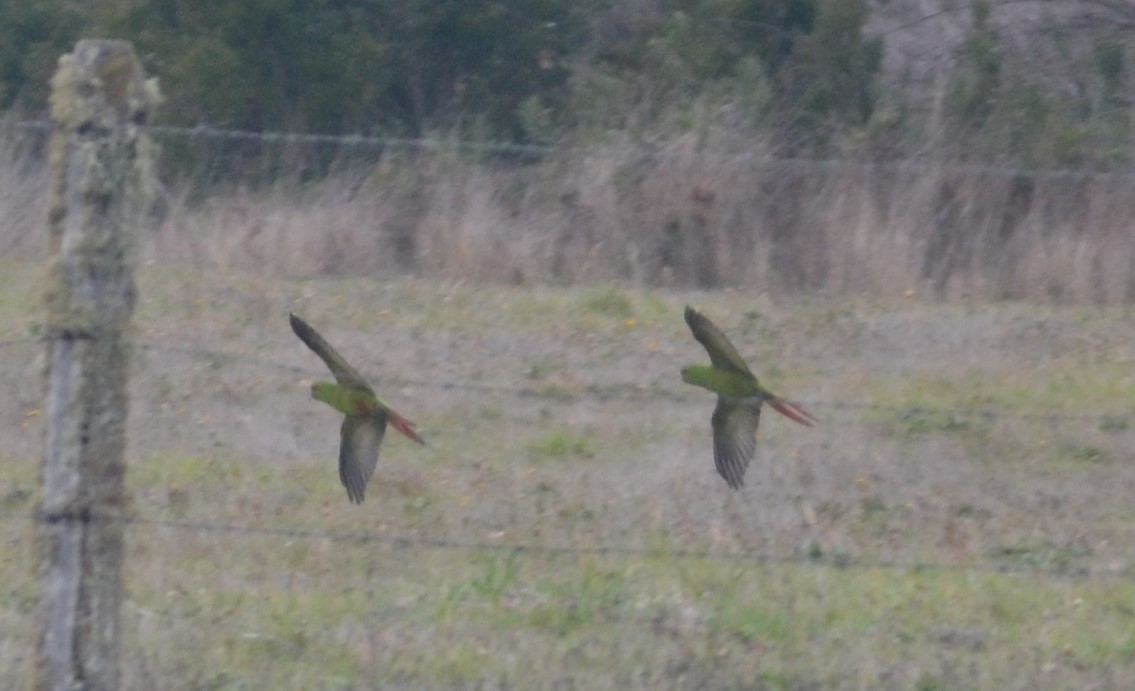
{"points": [[698, 375], [323, 391]]}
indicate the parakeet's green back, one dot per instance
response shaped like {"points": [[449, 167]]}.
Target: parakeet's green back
{"points": [[347, 400], [723, 382]]}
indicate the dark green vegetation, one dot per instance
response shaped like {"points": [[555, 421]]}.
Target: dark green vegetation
{"points": [[961, 519], [1032, 82]]}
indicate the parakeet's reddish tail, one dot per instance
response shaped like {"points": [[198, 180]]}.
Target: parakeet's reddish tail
{"points": [[792, 411], [404, 426]]}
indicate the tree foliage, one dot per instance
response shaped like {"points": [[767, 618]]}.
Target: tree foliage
{"points": [[32, 37], [354, 65], [801, 73], [1072, 113]]}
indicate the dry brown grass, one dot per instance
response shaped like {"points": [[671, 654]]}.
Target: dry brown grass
{"points": [[23, 195], [684, 215]]}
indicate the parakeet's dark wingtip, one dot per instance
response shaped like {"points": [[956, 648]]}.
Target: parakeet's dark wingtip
{"points": [[356, 493], [301, 329], [697, 321]]}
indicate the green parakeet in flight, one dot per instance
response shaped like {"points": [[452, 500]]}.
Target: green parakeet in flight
{"points": [[366, 414], [739, 399]]}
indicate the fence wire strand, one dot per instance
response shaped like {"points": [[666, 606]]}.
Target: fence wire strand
{"points": [[622, 390], [837, 561], [755, 159]]}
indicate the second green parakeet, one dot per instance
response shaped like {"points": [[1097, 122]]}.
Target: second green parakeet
{"points": [[739, 400], [365, 413]]}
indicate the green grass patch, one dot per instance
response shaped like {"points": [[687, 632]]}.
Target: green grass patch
{"points": [[560, 444], [1068, 558], [960, 397]]}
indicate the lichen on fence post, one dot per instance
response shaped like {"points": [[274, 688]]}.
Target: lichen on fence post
{"points": [[101, 172]]}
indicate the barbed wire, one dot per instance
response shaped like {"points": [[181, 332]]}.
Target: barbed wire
{"points": [[352, 140], [301, 138], [629, 391], [754, 159], [12, 342], [633, 391], [836, 560]]}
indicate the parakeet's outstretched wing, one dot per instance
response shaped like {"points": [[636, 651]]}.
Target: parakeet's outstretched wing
{"points": [[734, 438], [360, 438], [344, 373], [721, 352]]}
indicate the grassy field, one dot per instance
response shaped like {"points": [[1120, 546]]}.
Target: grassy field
{"points": [[962, 518]]}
